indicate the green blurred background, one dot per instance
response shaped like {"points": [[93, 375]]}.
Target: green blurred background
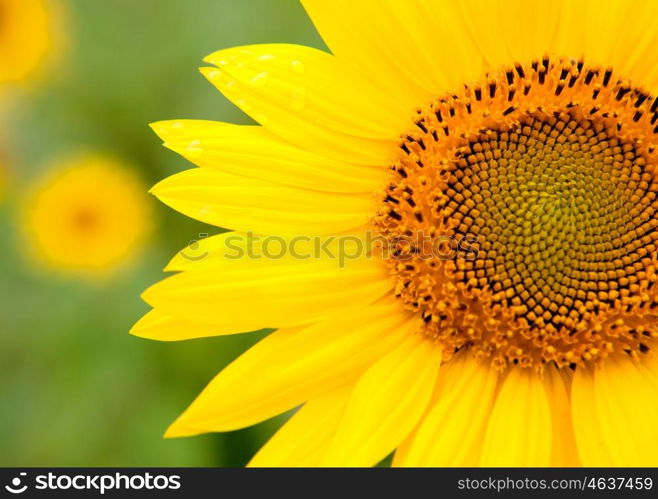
{"points": [[77, 389]]}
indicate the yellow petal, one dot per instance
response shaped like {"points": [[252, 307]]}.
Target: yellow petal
{"points": [[156, 325], [634, 46], [451, 433], [627, 403], [519, 430], [252, 151], [592, 448], [345, 27], [513, 30], [622, 36], [277, 71], [310, 99], [213, 252], [564, 450], [386, 404], [304, 439], [249, 294], [416, 50], [248, 204], [292, 366], [650, 359]]}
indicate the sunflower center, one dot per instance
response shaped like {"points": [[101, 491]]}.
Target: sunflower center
{"points": [[85, 220], [521, 216]]}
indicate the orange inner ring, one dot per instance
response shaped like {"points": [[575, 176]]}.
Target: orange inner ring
{"points": [[548, 174]]}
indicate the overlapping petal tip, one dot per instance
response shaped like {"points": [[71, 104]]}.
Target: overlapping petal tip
{"points": [[250, 204], [292, 366], [310, 99], [284, 72], [157, 325], [210, 251], [252, 294], [253, 152], [304, 439]]}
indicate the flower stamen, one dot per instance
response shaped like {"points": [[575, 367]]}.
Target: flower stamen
{"points": [[544, 178]]}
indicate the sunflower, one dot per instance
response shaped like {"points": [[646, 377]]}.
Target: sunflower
{"points": [[25, 37], [503, 154], [87, 215]]}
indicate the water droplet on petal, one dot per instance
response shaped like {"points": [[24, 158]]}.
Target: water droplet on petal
{"points": [[297, 66], [221, 78], [298, 98], [265, 57], [261, 118], [176, 128], [194, 149], [259, 80], [244, 105]]}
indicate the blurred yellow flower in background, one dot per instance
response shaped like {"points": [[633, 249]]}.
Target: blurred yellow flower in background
{"points": [[89, 215], [25, 37], [97, 83]]}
